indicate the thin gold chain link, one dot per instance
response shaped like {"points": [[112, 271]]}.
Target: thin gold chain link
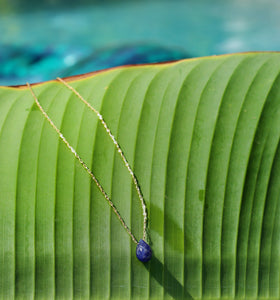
{"points": [[144, 209]]}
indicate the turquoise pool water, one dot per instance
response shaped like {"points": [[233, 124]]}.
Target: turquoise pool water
{"points": [[42, 44]]}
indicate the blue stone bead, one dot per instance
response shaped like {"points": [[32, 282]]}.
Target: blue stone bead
{"points": [[143, 251]]}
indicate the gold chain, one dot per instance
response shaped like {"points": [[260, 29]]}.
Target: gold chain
{"points": [[144, 209]]}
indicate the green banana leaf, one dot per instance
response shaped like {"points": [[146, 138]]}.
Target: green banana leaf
{"points": [[202, 137]]}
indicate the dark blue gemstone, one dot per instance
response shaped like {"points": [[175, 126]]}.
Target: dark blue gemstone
{"points": [[143, 251]]}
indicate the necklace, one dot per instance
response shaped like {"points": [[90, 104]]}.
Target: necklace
{"points": [[143, 250]]}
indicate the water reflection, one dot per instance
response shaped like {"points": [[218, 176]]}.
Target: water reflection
{"points": [[197, 28]]}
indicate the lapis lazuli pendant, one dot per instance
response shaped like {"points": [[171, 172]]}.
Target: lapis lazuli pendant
{"points": [[143, 251]]}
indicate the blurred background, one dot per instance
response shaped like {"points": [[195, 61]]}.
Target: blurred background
{"points": [[41, 40]]}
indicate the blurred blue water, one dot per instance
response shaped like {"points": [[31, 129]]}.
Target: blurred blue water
{"points": [[39, 45]]}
